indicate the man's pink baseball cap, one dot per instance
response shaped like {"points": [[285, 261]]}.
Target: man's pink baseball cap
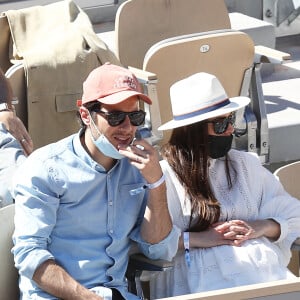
{"points": [[111, 84]]}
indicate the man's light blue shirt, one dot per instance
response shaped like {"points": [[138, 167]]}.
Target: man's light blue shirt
{"points": [[11, 155], [70, 209]]}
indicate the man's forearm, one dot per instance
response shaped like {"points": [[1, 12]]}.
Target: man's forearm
{"points": [[54, 280], [157, 222]]}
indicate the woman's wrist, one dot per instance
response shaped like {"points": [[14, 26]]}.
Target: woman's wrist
{"points": [[186, 243]]}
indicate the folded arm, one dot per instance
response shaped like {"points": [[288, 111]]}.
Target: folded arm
{"points": [[233, 233]]}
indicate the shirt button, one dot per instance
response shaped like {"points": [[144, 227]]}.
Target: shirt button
{"points": [[111, 231], [110, 203]]}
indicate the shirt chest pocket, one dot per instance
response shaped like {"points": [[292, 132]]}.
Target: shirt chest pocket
{"points": [[131, 203], [130, 210]]}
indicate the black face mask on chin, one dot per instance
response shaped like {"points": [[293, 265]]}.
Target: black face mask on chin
{"points": [[219, 145]]}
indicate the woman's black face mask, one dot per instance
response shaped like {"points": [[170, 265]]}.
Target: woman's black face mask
{"points": [[219, 145]]}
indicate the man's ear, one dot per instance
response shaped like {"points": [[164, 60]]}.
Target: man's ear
{"points": [[85, 115]]}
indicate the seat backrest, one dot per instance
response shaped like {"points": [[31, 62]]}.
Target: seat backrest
{"points": [[8, 273], [139, 24], [227, 54], [289, 177], [16, 77], [4, 44]]}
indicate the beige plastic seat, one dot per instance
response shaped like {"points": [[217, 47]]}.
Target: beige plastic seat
{"points": [[289, 177], [4, 44], [8, 273], [162, 29], [139, 24], [227, 54], [16, 77], [159, 20]]}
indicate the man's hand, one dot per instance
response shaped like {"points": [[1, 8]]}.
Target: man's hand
{"points": [[157, 222], [16, 127], [144, 157]]}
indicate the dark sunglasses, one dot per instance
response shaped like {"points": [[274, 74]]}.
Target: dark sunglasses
{"points": [[115, 118], [221, 124]]}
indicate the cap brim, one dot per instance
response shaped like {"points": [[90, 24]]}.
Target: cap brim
{"points": [[122, 96], [235, 104]]}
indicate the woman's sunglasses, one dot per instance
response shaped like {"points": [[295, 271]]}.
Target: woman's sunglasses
{"points": [[221, 124], [115, 118]]}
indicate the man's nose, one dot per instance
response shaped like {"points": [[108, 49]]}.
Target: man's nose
{"points": [[126, 123]]}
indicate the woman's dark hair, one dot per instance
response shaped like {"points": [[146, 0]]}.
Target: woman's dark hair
{"points": [[90, 106], [187, 154]]}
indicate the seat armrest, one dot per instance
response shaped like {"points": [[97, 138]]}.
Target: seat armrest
{"points": [[142, 74], [296, 245], [139, 263], [143, 263], [268, 55], [149, 130]]}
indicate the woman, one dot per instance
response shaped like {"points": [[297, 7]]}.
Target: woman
{"points": [[237, 221]]}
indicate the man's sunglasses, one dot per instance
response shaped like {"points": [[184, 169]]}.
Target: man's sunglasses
{"points": [[221, 124], [115, 118]]}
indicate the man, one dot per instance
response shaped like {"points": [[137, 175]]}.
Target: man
{"points": [[81, 201], [14, 141]]}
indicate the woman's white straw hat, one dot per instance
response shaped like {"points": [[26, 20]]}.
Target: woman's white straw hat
{"points": [[200, 97]]}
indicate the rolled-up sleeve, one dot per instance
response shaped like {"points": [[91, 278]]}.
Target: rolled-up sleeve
{"points": [[33, 227], [165, 249], [282, 207]]}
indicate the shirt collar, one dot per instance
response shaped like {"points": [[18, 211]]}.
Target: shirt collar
{"points": [[80, 152]]}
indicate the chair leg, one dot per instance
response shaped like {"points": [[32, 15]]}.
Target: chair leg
{"points": [[138, 285]]}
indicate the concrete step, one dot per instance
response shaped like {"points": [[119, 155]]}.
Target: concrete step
{"points": [[282, 98]]}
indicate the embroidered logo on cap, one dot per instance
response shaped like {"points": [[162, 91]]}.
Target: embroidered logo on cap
{"points": [[125, 81]]}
